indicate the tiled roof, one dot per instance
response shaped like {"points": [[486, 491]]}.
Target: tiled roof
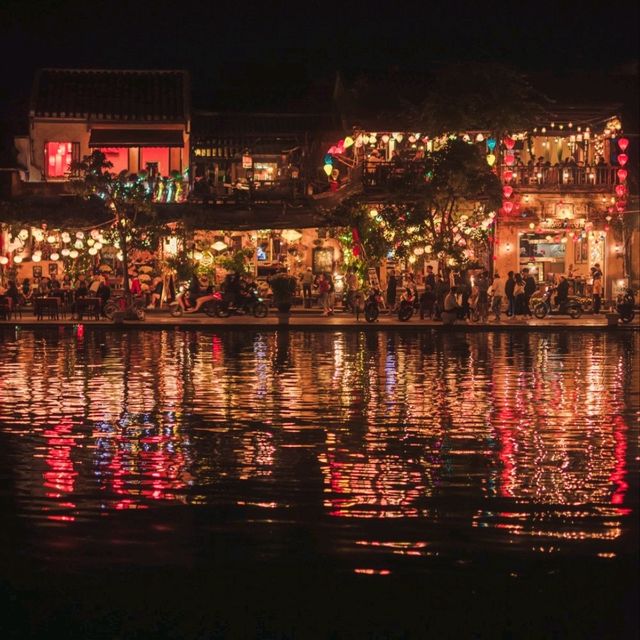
{"points": [[111, 95], [212, 125]]}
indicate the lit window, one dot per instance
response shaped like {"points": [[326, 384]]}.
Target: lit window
{"points": [[58, 158], [118, 157], [155, 155]]}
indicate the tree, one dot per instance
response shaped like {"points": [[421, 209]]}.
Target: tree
{"points": [[127, 196], [447, 216]]}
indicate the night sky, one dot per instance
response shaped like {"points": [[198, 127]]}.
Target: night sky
{"points": [[284, 55]]}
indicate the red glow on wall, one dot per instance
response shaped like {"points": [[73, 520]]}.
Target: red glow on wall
{"points": [[118, 157], [155, 154], [58, 157]]}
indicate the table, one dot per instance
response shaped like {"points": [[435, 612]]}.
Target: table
{"points": [[89, 307], [46, 306]]}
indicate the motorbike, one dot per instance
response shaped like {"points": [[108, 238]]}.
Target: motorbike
{"points": [[372, 305], [405, 309], [250, 303], [625, 305], [182, 304], [113, 305], [547, 306]]}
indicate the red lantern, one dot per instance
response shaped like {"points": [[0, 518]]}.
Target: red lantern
{"points": [[509, 159], [510, 142], [620, 206], [623, 143], [622, 175], [620, 190], [623, 158], [507, 205], [507, 175], [507, 191]]}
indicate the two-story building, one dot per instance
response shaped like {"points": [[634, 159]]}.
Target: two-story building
{"points": [[140, 120]]}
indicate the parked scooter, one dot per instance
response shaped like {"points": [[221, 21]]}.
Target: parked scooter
{"points": [[547, 306], [625, 305], [372, 305], [249, 303], [406, 306]]}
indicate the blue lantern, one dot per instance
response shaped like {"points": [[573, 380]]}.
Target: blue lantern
{"points": [[328, 159], [491, 143]]}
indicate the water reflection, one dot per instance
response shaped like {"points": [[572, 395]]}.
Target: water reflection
{"points": [[498, 438]]}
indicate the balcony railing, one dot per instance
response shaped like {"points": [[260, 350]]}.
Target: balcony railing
{"points": [[405, 175]]}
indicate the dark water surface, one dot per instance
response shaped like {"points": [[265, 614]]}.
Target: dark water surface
{"points": [[247, 484]]}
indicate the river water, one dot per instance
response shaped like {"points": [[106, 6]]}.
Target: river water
{"points": [[330, 484]]}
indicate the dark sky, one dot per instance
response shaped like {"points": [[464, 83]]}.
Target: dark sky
{"points": [[266, 54]]}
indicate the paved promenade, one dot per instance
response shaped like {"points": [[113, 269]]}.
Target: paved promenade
{"points": [[313, 320]]}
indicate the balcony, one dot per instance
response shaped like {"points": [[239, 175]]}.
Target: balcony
{"points": [[408, 174], [597, 178]]}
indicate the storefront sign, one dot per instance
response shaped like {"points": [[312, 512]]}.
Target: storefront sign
{"points": [[247, 162]]}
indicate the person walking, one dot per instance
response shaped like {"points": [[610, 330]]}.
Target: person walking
{"points": [[508, 292], [530, 287], [497, 290]]}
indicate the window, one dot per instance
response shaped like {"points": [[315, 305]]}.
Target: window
{"points": [[265, 171], [118, 157], [155, 155], [58, 157]]}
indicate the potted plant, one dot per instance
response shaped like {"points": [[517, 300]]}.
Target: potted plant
{"points": [[283, 287]]}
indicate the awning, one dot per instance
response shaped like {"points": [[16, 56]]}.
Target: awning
{"points": [[136, 138]]}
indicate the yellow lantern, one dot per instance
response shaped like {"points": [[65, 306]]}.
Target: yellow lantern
{"points": [[328, 168], [491, 159], [348, 142]]}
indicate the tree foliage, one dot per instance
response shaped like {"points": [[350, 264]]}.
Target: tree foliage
{"points": [[448, 216]]}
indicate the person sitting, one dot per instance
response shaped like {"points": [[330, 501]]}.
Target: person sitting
{"points": [[156, 293], [450, 311], [205, 294]]}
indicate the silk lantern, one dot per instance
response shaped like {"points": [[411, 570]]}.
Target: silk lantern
{"points": [[507, 205], [491, 143], [328, 168], [509, 159], [623, 143], [623, 158], [622, 175], [620, 190], [507, 191], [491, 159], [509, 142], [507, 175]]}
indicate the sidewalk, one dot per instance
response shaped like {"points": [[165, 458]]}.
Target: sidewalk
{"points": [[314, 320]]}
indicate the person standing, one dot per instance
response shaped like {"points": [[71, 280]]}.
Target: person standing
{"points": [[442, 288], [519, 298], [430, 279], [392, 285], [307, 282], [530, 287], [323, 294], [483, 295], [331, 294], [497, 289], [508, 292], [597, 287], [352, 290]]}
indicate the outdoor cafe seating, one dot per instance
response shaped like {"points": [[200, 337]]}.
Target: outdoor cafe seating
{"points": [[87, 308]]}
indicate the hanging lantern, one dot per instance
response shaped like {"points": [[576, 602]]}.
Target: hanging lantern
{"points": [[51, 239], [328, 168], [17, 259], [73, 254], [38, 235], [491, 144], [54, 257], [623, 143], [479, 138], [348, 142], [65, 252], [385, 138], [622, 175], [4, 260], [507, 175], [509, 159], [491, 159], [509, 142], [620, 190], [328, 159], [219, 245], [23, 234], [623, 158], [398, 136], [620, 206], [78, 244], [507, 205], [507, 191]]}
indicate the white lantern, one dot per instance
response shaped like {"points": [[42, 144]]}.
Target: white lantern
{"points": [[197, 255], [80, 235], [428, 248], [23, 234], [93, 251], [36, 258], [54, 256], [291, 235], [78, 244], [65, 252], [38, 235], [17, 259], [91, 242], [98, 246], [73, 254], [95, 234], [219, 245], [51, 239], [4, 260], [66, 237], [119, 256]]}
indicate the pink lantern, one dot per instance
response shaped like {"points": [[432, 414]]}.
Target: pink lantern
{"points": [[507, 191], [507, 175], [620, 206], [623, 158], [620, 190], [623, 143], [509, 159], [510, 142], [507, 205], [622, 175]]}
